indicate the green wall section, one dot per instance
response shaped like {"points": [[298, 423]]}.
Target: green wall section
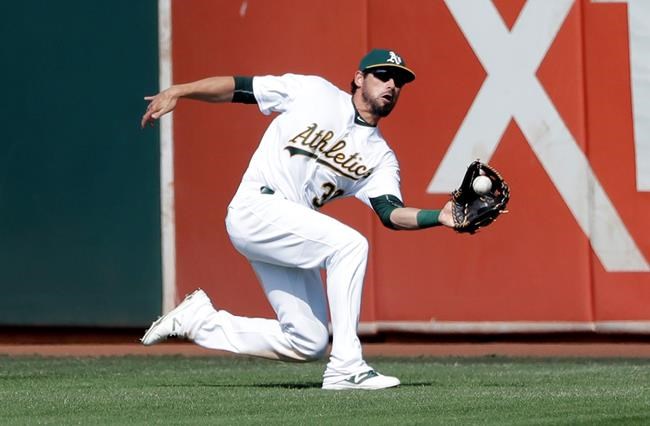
{"points": [[79, 181]]}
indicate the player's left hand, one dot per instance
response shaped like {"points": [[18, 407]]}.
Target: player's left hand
{"points": [[472, 210], [446, 216]]}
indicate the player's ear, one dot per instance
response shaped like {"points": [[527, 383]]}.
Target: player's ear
{"points": [[358, 78]]}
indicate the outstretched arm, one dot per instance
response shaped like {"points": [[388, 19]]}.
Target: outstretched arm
{"points": [[410, 218], [393, 214], [213, 89]]}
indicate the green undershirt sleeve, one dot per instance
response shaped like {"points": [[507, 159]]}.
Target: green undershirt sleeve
{"points": [[384, 206], [243, 93]]}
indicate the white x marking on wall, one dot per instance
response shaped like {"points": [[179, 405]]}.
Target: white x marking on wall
{"points": [[512, 90]]}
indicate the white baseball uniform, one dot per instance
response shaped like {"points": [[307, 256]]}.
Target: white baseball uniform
{"points": [[317, 149]]}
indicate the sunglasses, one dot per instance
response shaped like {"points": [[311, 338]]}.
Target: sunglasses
{"points": [[385, 75]]}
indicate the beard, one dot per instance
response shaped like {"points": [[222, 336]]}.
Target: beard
{"points": [[376, 106]]}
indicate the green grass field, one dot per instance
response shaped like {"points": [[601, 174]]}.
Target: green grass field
{"points": [[225, 390]]}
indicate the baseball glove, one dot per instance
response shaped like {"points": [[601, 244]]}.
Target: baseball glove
{"points": [[472, 210]]}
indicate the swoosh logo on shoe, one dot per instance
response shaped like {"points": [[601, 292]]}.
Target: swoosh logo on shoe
{"points": [[357, 379], [176, 324]]}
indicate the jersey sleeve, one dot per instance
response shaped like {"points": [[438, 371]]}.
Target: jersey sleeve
{"points": [[276, 93], [384, 180]]}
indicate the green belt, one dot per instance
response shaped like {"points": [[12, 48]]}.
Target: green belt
{"points": [[266, 190]]}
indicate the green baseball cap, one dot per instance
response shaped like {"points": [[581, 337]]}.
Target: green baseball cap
{"points": [[384, 58]]}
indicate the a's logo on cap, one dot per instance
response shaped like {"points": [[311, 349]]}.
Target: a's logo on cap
{"points": [[394, 58]]}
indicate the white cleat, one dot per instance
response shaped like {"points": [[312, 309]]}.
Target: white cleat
{"points": [[368, 380], [176, 322]]}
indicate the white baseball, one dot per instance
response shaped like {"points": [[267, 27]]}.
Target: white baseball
{"points": [[482, 185]]}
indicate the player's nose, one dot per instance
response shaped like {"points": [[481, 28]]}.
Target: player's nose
{"points": [[393, 85]]}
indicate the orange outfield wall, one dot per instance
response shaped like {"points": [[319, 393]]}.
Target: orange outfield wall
{"points": [[535, 264]]}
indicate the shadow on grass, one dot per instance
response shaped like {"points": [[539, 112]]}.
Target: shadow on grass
{"points": [[308, 385]]}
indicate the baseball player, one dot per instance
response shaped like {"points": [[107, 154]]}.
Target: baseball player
{"points": [[323, 145]]}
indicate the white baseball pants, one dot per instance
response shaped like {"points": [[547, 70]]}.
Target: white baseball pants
{"points": [[287, 245]]}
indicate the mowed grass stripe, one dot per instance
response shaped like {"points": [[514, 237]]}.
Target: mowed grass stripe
{"points": [[226, 390]]}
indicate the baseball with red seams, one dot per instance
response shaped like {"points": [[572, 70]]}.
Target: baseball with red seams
{"points": [[482, 185]]}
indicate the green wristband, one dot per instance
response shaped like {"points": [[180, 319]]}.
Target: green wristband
{"points": [[428, 218]]}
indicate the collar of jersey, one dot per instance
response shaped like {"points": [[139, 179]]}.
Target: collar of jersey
{"points": [[357, 117]]}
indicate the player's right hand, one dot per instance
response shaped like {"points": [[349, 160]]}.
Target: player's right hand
{"points": [[159, 105]]}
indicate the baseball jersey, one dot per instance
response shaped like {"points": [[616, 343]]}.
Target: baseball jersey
{"points": [[318, 148]]}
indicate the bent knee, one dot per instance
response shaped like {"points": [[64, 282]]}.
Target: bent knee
{"points": [[309, 342], [358, 242]]}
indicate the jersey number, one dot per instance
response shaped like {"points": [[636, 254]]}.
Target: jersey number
{"points": [[329, 192]]}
